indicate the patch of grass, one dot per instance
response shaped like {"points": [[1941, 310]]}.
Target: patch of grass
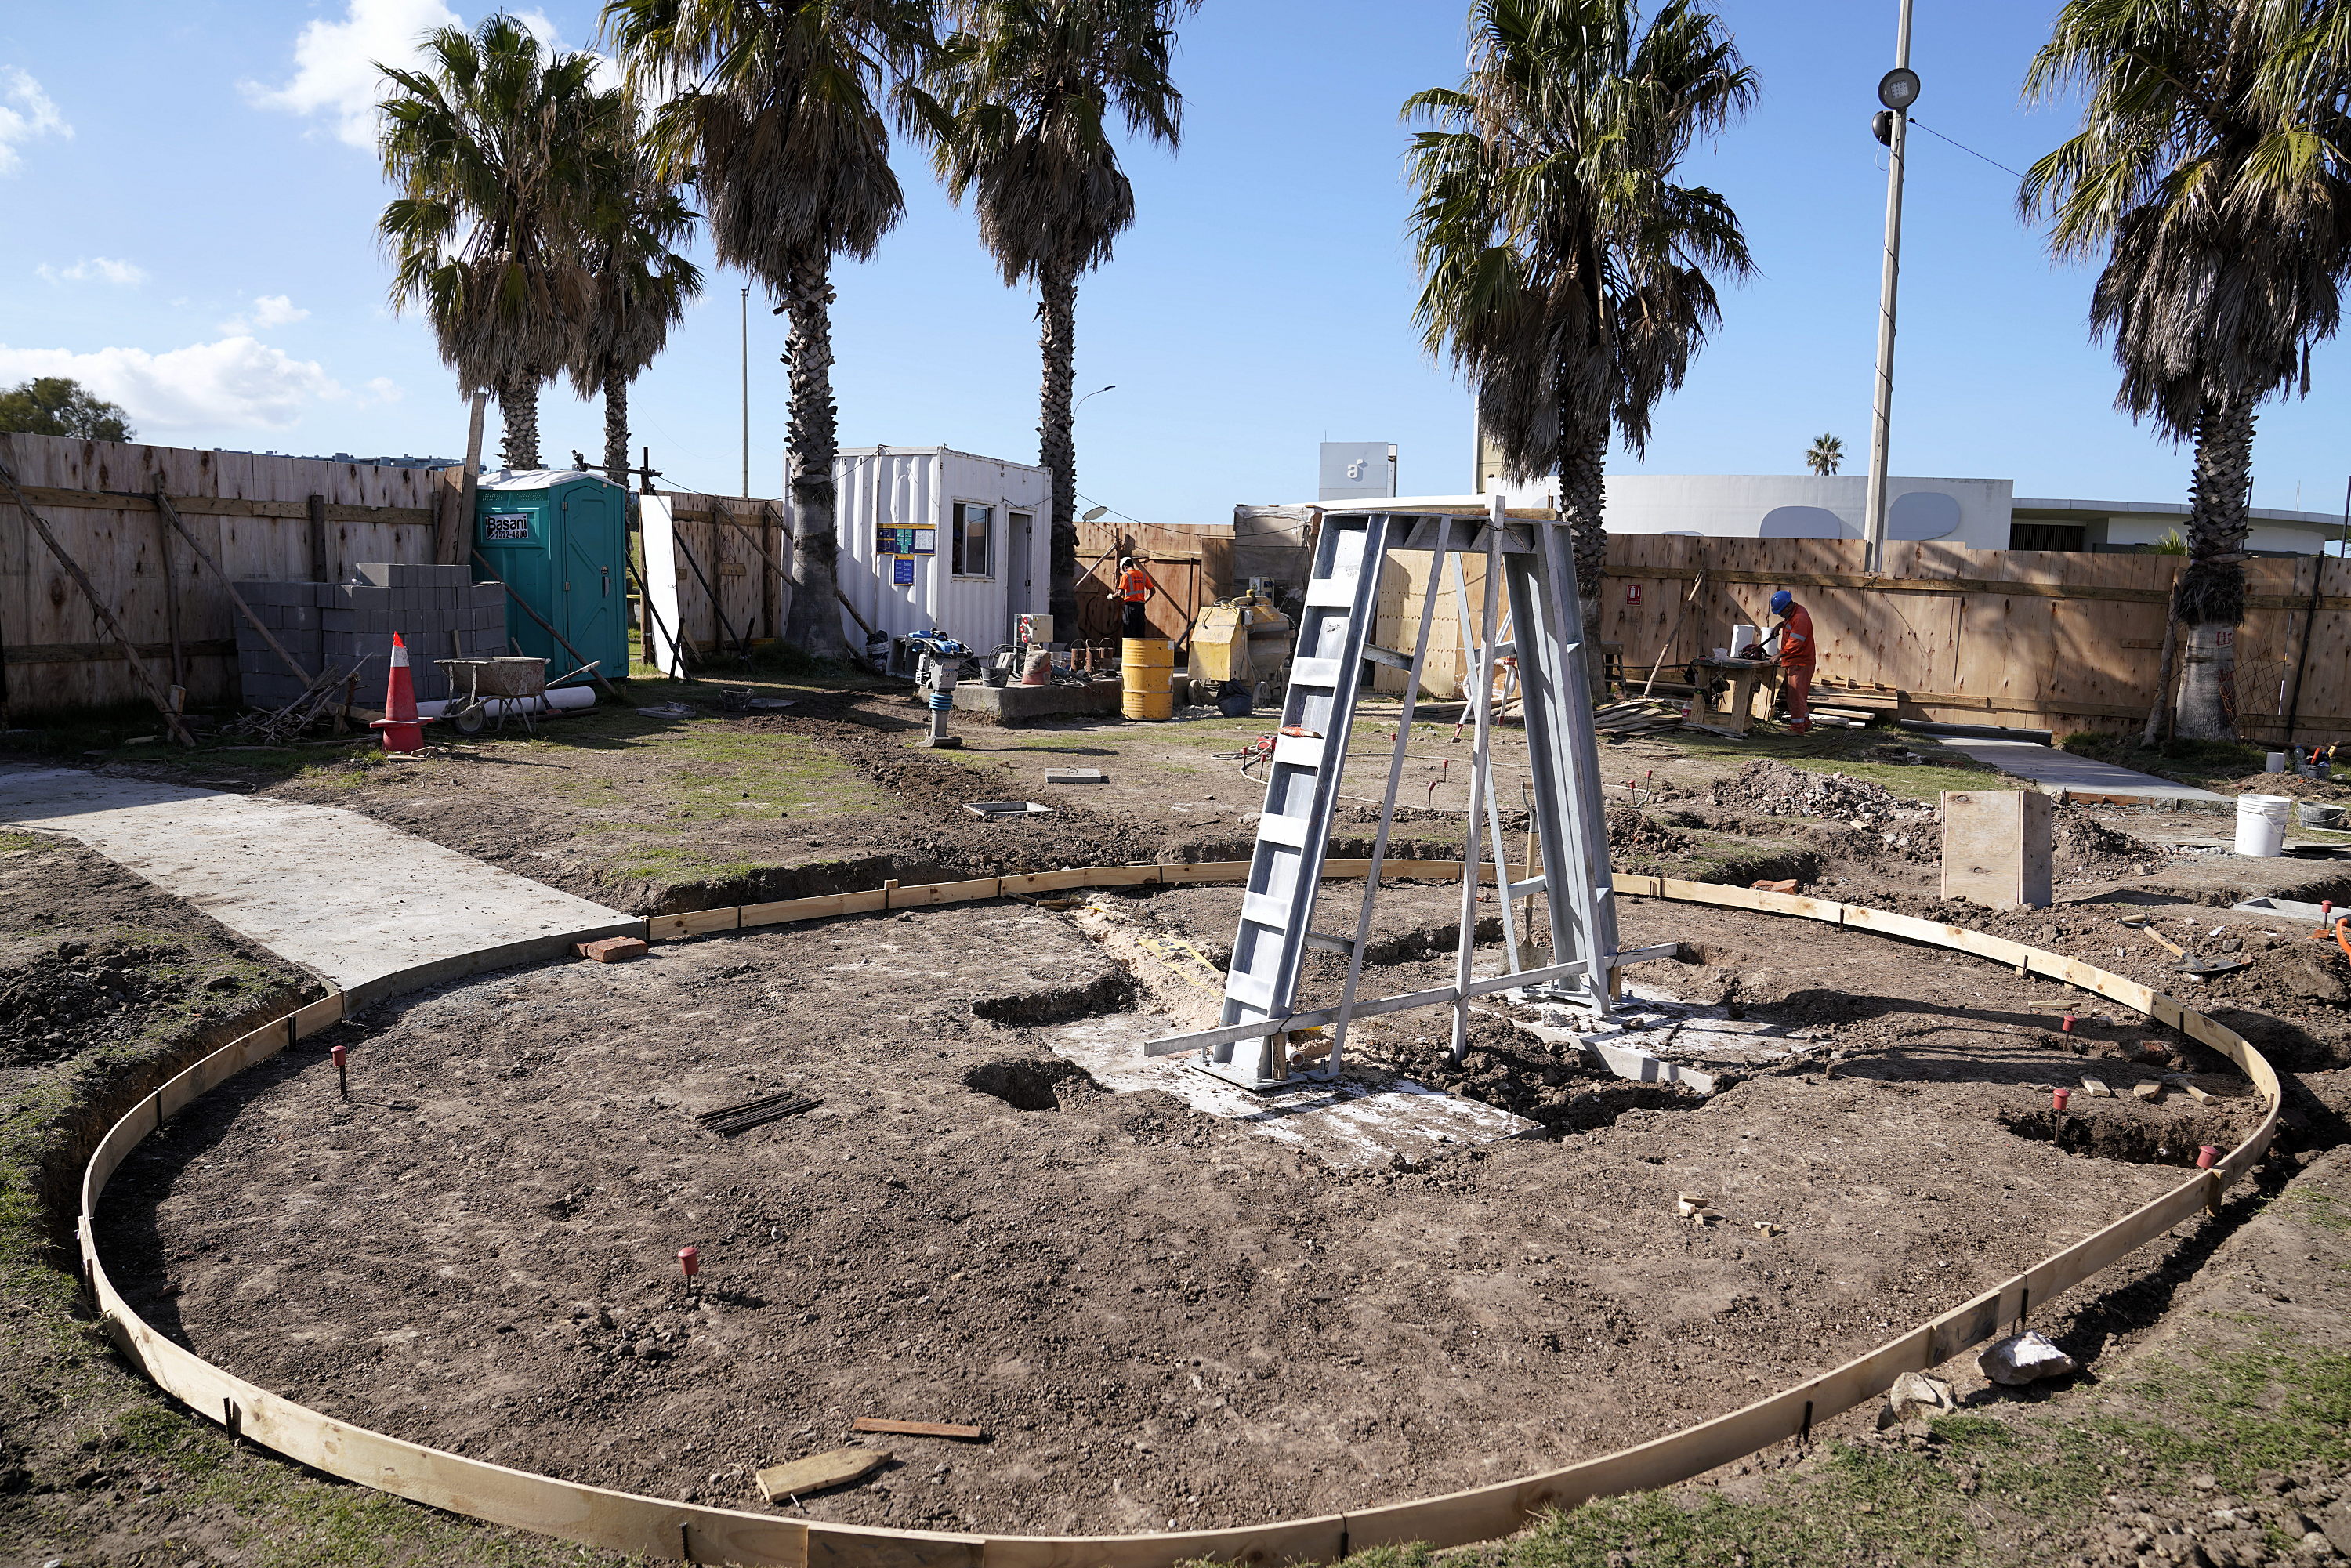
{"points": [[671, 863], [14, 843]]}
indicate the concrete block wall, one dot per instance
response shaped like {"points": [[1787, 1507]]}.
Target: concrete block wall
{"points": [[439, 611]]}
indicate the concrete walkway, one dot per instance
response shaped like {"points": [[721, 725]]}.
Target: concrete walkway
{"points": [[2081, 774], [344, 896]]}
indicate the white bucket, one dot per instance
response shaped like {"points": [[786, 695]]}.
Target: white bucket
{"points": [[1743, 638], [2275, 763], [2261, 824]]}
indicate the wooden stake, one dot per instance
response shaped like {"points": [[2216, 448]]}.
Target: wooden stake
{"points": [[139, 669]]}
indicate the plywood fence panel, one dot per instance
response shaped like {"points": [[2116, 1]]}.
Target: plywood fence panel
{"points": [[93, 495]]}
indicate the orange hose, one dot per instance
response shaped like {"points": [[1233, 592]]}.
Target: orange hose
{"points": [[2339, 942]]}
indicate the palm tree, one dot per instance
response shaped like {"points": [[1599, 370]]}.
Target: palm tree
{"points": [[1018, 104], [641, 284], [488, 143], [2211, 171], [1826, 456], [771, 109], [1562, 269]]}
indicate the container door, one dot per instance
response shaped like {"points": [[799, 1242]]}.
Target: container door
{"points": [[512, 535], [593, 591], [1019, 571]]}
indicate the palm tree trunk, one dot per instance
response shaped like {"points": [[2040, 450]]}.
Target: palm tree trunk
{"points": [[1583, 500], [1057, 446], [616, 423], [2213, 587], [519, 411], [813, 623]]}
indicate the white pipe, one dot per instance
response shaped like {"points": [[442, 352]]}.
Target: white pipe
{"points": [[557, 697]]}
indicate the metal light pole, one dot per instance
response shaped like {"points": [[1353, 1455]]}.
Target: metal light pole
{"points": [[1898, 90], [745, 381]]}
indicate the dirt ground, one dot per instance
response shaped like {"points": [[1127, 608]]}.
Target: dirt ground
{"points": [[1148, 1308]]}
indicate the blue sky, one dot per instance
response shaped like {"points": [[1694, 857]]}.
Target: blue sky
{"points": [[192, 202]]}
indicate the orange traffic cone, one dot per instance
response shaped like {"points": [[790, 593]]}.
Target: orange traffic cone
{"points": [[403, 730]]}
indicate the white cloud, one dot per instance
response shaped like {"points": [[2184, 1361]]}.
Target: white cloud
{"points": [[237, 382], [26, 114], [269, 310], [95, 268], [382, 389], [335, 63]]}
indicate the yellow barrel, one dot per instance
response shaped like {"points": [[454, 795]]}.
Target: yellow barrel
{"points": [[1145, 667]]}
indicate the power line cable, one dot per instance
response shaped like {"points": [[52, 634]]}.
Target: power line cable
{"points": [[1964, 147]]}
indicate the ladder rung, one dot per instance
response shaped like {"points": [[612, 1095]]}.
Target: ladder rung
{"points": [[1288, 830], [1330, 593], [1317, 673], [1251, 992], [1259, 909], [1329, 943], [1388, 656], [1300, 751]]}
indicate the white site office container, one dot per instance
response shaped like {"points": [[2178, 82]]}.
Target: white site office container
{"points": [[911, 581]]}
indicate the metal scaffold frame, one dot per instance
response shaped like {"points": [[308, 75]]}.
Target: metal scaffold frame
{"points": [[1534, 561]]}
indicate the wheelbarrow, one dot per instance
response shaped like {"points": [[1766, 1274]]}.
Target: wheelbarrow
{"points": [[476, 684]]}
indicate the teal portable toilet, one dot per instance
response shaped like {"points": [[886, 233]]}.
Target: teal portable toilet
{"points": [[560, 538]]}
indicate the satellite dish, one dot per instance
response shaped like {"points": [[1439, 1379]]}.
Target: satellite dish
{"points": [[1097, 515], [1898, 88]]}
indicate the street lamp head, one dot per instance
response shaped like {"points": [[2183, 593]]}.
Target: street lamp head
{"points": [[1097, 515], [1898, 88]]}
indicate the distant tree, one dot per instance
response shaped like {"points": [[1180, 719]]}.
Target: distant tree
{"points": [[773, 109], [2213, 171], [634, 221], [1826, 456], [492, 146], [1019, 103], [1562, 269], [59, 405]]}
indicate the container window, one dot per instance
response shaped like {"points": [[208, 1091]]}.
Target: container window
{"points": [[975, 540]]}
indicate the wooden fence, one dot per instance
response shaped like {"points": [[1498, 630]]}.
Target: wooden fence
{"points": [[260, 516], [270, 519], [744, 552], [2023, 638]]}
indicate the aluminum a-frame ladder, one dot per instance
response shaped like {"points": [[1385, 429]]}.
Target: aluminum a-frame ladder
{"points": [[1252, 1044]]}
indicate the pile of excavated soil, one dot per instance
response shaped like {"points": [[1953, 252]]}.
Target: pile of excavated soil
{"points": [[2292, 785], [2083, 843], [1632, 833], [1777, 790], [78, 996]]}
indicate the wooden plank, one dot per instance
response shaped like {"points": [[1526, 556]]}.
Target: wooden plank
{"points": [[197, 505], [822, 907], [81, 653], [919, 1429], [820, 1472]]}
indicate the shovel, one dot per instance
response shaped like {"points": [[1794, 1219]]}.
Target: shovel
{"points": [[2194, 965]]}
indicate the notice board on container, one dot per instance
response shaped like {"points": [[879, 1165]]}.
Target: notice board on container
{"points": [[891, 539]]}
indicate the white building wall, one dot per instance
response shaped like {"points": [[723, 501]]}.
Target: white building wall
{"points": [[917, 487], [1970, 512]]}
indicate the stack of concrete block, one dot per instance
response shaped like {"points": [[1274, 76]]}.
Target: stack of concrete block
{"points": [[439, 611]]}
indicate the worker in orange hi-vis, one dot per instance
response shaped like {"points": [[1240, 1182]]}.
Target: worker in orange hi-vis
{"points": [[1134, 590], [1794, 635]]}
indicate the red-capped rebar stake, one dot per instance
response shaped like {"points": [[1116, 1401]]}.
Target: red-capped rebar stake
{"points": [[343, 1069], [2057, 1098], [2067, 1026], [2208, 1156], [690, 1259], [2326, 907]]}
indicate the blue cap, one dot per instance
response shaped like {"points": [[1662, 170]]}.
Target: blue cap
{"points": [[1781, 601]]}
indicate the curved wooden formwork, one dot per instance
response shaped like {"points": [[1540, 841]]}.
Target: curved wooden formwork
{"points": [[649, 1526]]}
